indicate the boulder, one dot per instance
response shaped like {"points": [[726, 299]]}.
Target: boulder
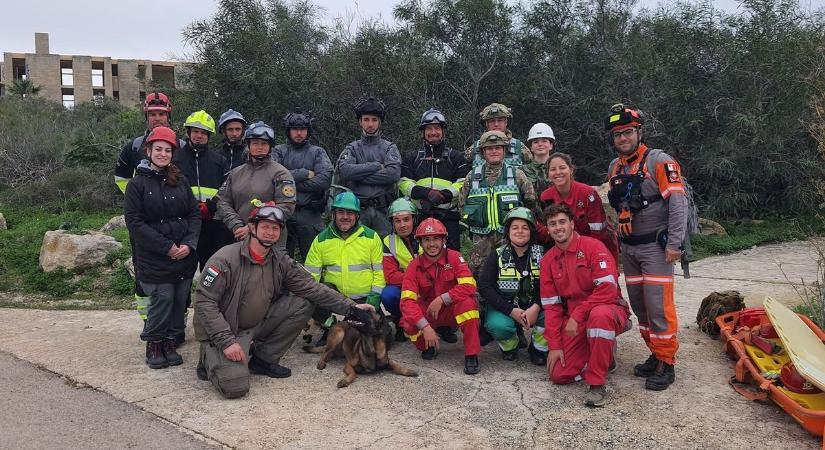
{"points": [[114, 223], [3, 225], [708, 227], [609, 212], [73, 251]]}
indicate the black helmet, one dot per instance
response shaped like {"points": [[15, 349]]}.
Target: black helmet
{"points": [[370, 105], [432, 116], [298, 119]]}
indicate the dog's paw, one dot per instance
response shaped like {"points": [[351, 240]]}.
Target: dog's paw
{"points": [[321, 365], [412, 373], [342, 383]]}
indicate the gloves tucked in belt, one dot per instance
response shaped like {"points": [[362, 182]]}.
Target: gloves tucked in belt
{"points": [[625, 228]]}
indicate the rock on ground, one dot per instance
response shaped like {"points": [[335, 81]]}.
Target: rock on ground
{"points": [[114, 223], [3, 225], [73, 251]]}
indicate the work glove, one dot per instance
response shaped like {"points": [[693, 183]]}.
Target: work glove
{"points": [[204, 209], [419, 192], [625, 228], [435, 197]]}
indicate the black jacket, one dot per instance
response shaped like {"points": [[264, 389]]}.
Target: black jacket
{"points": [[203, 168], [158, 216], [488, 282], [434, 161], [235, 154]]}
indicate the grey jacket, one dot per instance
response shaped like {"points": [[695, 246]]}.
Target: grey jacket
{"points": [[370, 166], [299, 161], [219, 290], [264, 181]]}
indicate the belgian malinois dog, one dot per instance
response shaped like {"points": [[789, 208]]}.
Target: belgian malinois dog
{"points": [[363, 345]]}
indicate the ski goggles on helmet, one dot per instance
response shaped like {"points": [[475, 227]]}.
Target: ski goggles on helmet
{"points": [[269, 213]]}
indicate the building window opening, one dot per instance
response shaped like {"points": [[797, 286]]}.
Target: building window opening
{"points": [[18, 68], [97, 74], [68, 98], [66, 73], [114, 70]]}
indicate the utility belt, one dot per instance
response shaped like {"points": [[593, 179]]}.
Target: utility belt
{"points": [[659, 236]]}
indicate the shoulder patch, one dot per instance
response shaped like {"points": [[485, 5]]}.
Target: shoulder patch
{"points": [[209, 275]]}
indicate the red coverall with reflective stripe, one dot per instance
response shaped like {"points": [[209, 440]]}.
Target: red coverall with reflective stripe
{"points": [[589, 218], [582, 283], [450, 277]]}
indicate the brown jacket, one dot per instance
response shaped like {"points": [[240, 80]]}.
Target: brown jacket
{"points": [[219, 291], [263, 181]]}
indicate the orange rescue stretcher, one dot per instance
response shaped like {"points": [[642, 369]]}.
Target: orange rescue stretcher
{"points": [[755, 366]]}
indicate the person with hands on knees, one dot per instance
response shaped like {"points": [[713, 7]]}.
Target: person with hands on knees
{"points": [[439, 290], [250, 294], [164, 223], [583, 307], [509, 285], [260, 178]]}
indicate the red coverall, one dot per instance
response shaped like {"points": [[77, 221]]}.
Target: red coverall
{"points": [[450, 277], [588, 215], [582, 283]]}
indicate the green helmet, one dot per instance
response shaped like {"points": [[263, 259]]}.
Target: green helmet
{"points": [[200, 119], [401, 204], [493, 138], [346, 200], [495, 110], [519, 213]]}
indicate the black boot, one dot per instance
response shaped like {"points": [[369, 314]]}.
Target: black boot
{"points": [[200, 371], [646, 368], [484, 337], [537, 356], [170, 350], [154, 355], [447, 334], [509, 355], [261, 367], [399, 333], [180, 338], [429, 354], [662, 377], [471, 365], [522, 340]]}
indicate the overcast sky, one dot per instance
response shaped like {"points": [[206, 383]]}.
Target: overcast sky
{"points": [[116, 28]]}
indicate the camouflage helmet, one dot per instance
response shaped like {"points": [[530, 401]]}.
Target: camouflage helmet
{"points": [[494, 110], [492, 139]]}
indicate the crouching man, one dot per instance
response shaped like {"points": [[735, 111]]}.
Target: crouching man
{"points": [[243, 320], [583, 307]]}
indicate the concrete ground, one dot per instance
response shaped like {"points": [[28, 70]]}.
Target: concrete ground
{"points": [[507, 405]]}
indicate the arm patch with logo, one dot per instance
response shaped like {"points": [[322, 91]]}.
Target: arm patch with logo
{"points": [[209, 275], [672, 171]]}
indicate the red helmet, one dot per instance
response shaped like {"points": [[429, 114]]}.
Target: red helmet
{"points": [[165, 134], [795, 382], [157, 101], [430, 227]]}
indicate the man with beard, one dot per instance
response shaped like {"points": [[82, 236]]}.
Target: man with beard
{"points": [[348, 257], [249, 292], [312, 171], [434, 174], [439, 290], [231, 125]]}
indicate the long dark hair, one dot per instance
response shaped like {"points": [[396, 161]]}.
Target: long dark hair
{"points": [[172, 171]]}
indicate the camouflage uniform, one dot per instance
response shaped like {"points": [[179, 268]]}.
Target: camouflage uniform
{"points": [[517, 153], [537, 174]]}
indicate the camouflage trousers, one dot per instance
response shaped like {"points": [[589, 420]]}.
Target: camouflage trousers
{"points": [[483, 244]]}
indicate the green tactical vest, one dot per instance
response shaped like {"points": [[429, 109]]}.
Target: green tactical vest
{"points": [[487, 206], [510, 284]]}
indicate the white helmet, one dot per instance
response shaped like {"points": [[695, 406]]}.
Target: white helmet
{"points": [[541, 130]]}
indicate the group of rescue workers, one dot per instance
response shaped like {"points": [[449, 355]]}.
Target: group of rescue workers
{"points": [[392, 243]]}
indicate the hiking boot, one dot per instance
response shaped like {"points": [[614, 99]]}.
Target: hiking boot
{"points": [[322, 341], [200, 371], [509, 355], [180, 339], [471, 366], [522, 340], [662, 377], [399, 334], [154, 355], [272, 370], [596, 396], [646, 368], [537, 356], [170, 351], [447, 334], [429, 354]]}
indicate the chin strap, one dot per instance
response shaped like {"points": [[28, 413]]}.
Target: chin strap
{"points": [[264, 244]]}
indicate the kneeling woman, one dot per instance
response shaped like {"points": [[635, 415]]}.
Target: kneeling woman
{"points": [[509, 284], [164, 222]]}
